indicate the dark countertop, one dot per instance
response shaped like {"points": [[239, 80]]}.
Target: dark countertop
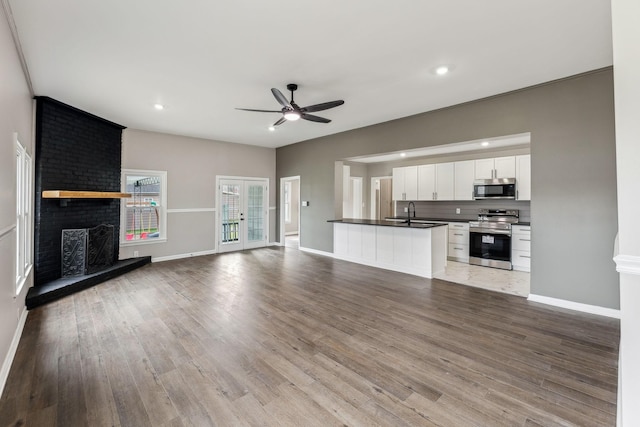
{"points": [[385, 223], [418, 218]]}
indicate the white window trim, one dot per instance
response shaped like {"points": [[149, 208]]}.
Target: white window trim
{"points": [[24, 215], [163, 208]]}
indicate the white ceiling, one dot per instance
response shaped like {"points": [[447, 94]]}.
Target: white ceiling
{"points": [[202, 59]]}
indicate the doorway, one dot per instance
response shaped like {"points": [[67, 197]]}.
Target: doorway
{"points": [[243, 213], [381, 197], [290, 211]]}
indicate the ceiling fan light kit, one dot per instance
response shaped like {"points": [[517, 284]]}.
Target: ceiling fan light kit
{"points": [[291, 111]]}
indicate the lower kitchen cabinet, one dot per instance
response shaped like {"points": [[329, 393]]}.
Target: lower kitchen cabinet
{"points": [[521, 247], [412, 250], [458, 249]]}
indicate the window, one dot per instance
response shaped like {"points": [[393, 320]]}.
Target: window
{"points": [[144, 218], [24, 197], [287, 202]]}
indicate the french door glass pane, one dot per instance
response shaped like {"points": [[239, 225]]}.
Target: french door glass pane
{"points": [[230, 212], [255, 208]]}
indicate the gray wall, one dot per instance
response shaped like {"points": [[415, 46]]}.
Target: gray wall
{"points": [[573, 207], [192, 165], [16, 116]]}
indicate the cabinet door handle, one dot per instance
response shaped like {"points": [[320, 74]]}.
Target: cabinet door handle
{"points": [[525, 240], [458, 249], [458, 234], [525, 256]]}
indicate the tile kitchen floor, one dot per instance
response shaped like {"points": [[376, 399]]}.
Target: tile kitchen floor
{"points": [[510, 282]]}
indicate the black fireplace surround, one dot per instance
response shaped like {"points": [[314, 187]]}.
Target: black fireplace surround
{"points": [[78, 151]]}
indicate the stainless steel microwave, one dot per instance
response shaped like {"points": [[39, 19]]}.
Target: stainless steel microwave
{"points": [[497, 188]]}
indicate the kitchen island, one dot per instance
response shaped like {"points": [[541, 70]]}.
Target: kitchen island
{"points": [[414, 248]]}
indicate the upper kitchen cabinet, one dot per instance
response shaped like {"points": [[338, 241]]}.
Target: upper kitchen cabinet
{"points": [[523, 177], [499, 167], [464, 173], [405, 183], [436, 181]]}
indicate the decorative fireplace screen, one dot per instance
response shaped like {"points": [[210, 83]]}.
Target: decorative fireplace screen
{"points": [[87, 250]]}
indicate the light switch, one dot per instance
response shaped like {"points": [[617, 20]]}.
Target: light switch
{"points": [[305, 203]]}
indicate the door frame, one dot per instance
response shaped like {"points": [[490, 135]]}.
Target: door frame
{"points": [[372, 199], [281, 214], [218, 217]]}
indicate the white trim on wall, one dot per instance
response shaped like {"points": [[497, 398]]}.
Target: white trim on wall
{"points": [[181, 256], [317, 252], [629, 264], [571, 305], [281, 216], [189, 210], [8, 360]]}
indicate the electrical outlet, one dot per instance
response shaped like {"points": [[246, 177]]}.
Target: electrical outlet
{"points": [[406, 210], [458, 211], [136, 254]]}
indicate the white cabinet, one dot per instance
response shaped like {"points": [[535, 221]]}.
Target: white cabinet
{"points": [[436, 181], [523, 177], [521, 247], [412, 250], [405, 183], [458, 248], [355, 241], [499, 167], [464, 174], [444, 181], [427, 182]]}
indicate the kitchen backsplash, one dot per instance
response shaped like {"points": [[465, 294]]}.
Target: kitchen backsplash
{"points": [[468, 209]]}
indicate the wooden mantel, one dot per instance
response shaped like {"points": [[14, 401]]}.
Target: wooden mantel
{"points": [[68, 194]]}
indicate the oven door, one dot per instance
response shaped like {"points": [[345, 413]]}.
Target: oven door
{"points": [[490, 248]]}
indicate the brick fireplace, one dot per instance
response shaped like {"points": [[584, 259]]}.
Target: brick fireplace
{"points": [[75, 150]]}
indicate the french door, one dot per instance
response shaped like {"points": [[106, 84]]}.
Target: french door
{"points": [[243, 214]]}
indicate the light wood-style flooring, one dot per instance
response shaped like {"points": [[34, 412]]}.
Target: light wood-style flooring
{"points": [[280, 337]]}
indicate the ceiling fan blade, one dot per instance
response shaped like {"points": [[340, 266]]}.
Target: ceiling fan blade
{"points": [[282, 100], [313, 118], [323, 106], [259, 111], [280, 121]]}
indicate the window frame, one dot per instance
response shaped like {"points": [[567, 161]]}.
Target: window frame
{"points": [[24, 215], [162, 209]]}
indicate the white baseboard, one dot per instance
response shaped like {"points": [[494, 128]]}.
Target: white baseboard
{"points": [[8, 360], [181, 256], [585, 308], [317, 252]]}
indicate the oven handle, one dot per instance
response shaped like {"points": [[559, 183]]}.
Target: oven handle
{"points": [[489, 231]]}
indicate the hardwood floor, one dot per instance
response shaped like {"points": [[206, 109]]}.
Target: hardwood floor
{"points": [[277, 336]]}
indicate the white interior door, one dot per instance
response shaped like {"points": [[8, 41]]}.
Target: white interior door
{"points": [[243, 214]]}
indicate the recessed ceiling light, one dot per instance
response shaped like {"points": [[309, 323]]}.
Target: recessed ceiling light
{"points": [[272, 128], [403, 154], [485, 143], [158, 106], [442, 70]]}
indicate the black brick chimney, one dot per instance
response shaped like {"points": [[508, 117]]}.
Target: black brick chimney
{"points": [[75, 150]]}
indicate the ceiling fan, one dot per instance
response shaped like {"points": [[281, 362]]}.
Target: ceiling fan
{"points": [[291, 111]]}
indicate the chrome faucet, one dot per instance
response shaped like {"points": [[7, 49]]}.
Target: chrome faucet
{"points": [[409, 212]]}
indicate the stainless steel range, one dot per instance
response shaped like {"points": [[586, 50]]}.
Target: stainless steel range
{"points": [[490, 238]]}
